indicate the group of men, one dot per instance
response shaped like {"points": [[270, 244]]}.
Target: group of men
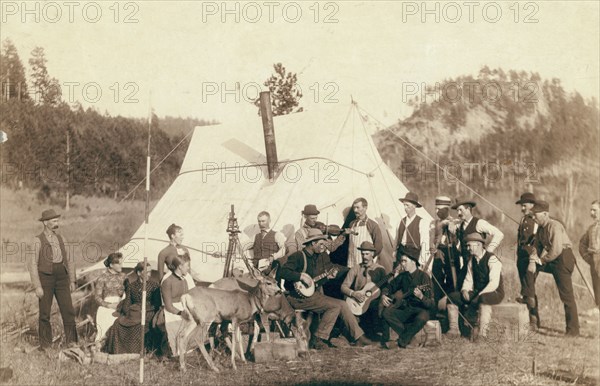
{"points": [[446, 265]]}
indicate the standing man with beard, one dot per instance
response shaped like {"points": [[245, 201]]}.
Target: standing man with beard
{"points": [[525, 248], [53, 274], [360, 230], [589, 248]]}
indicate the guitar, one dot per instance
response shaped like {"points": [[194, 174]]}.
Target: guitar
{"points": [[306, 291], [371, 291]]}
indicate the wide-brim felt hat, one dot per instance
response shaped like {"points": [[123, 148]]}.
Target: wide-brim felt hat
{"points": [[526, 198], [475, 236], [313, 235], [412, 253], [310, 210], [412, 198], [464, 201], [540, 206], [48, 214], [367, 246]]}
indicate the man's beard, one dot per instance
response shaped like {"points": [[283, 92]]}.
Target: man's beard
{"points": [[443, 213]]}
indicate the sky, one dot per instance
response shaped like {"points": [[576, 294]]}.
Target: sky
{"points": [[208, 59]]}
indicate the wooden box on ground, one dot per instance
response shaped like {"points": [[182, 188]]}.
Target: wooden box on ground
{"points": [[273, 351], [430, 334], [510, 323]]}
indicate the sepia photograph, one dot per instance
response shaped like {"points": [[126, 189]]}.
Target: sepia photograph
{"points": [[300, 192]]}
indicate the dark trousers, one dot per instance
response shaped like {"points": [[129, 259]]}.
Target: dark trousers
{"points": [[56, 284], [442, 272], [470, 309], [527, 280], [406, 321], [594, 262], [561, 269]]}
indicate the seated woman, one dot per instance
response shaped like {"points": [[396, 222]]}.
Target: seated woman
{"points": [[126, 333], [108, 292], [172, 287]]}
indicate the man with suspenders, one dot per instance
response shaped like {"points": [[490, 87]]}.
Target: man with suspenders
{"points": [[413, 231]]}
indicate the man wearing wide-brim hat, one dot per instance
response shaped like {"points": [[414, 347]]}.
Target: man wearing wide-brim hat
{"points": [[362, 278], [303, 266], [481, 289], [525, 247], [52, 273], [407, 301], [310, 214], [471, 224], [413, 231], [554, 255]]}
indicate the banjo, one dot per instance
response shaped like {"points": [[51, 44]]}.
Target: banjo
{"points": [[306, 291]]}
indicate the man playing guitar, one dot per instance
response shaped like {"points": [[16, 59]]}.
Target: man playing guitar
{"points": [[359, 286], [305, 264]]}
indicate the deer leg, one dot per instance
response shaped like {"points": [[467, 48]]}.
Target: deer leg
{"points": [[240, 344], [186, 329], [200, 341], [234, 324], [264, 320]]}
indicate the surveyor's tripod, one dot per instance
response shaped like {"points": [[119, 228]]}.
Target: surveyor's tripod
{"points": [[234, 247]]}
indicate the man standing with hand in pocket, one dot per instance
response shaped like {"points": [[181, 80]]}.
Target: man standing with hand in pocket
{"points": [[53, 274]]}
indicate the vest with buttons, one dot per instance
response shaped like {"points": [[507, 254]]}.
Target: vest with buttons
{"points": [[45, 253], [413, 237], [265, 246], [481, 273]]}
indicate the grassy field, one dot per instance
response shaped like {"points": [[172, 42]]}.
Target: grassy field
{"points": [[105, 224]]}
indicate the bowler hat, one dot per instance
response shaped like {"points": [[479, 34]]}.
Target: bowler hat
{"points": [[464, 201], [540, 206], [526, 198], [412, 198], [443, 201], [310, 210], [366, 246], [313, 235], [48, 214], [475, 236]]}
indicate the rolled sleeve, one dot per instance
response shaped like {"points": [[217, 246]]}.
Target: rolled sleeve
{"points": [[425, 252], [280, 240], [349, 281], [496, 234], [468, 282]]}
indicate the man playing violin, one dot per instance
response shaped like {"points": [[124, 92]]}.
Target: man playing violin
{"points": [[406, 302], [302, 266]]}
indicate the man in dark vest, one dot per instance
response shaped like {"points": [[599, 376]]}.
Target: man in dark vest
{"points": [[554, 255], [471, 224], [481, 289], [413, 232], [526, 247], [52, 273], [268, 245]]}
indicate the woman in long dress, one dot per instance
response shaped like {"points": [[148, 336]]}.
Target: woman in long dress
{"points": [[108, 292], [172, 287], [125, 334]]}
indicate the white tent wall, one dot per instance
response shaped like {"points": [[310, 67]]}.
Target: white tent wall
{"points": [[326, 157]]}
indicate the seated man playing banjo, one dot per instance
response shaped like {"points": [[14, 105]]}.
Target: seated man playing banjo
{"points": [[362, 287], [301, 272]]}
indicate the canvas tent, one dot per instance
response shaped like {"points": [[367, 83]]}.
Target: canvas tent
{"points": [[327, 157]]}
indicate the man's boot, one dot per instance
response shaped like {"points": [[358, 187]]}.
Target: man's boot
{"points": [[453, 332], [485, 316], [534, 319]]}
